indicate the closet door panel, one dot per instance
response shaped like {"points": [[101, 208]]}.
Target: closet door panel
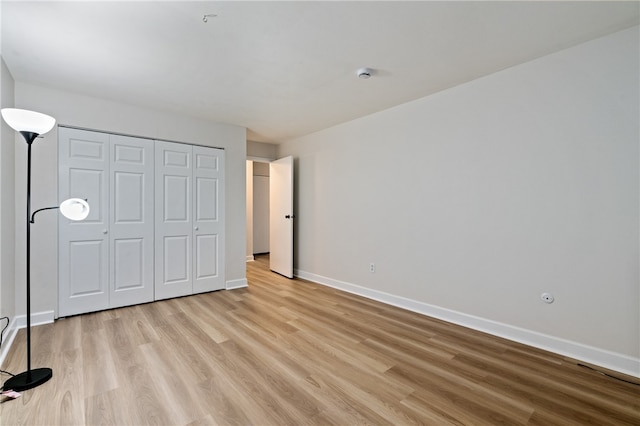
{"points": [[83, 246], [128, 255], [84, 277], [208, 202], [131, 228], [173, 212], [176, 259]]}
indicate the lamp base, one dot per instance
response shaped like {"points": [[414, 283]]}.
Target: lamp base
{"points": [[28, 379]]}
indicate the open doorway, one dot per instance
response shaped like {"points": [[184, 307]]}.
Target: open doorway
{"points": [[270, 213], [258, 236], [259, 155]]}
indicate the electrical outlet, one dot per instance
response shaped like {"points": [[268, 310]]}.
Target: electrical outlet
{"points": [[372, 267]]}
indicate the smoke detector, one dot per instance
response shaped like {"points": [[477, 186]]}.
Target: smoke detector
{"points": [[364, 73]]}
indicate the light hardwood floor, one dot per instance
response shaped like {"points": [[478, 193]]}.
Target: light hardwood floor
{"points": [[290, 352]]}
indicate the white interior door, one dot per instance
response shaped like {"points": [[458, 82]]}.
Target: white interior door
{"points": [[281, 216], [174, 226], [84, 246], [208, 219], [132, 230]]}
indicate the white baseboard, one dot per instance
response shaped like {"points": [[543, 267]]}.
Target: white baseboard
{"points": [[592, 355], [235, 284], [18, 322], [38, 318], [250, 258]]}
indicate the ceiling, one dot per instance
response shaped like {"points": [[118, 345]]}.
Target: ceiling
{"points": [[285, 69]]}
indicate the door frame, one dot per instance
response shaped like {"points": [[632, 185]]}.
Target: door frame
{"points": [[249, 201]]}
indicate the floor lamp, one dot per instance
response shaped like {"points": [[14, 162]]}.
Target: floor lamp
{"points": [[30, 125]]}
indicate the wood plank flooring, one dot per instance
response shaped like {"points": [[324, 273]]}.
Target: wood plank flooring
{"points": [[290, 352]]}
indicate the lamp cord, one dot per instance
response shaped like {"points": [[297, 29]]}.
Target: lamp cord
{"points": [[3, 329], [1, 337]]}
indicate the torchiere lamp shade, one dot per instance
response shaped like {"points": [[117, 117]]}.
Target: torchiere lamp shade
{"points": [[22, 120]]}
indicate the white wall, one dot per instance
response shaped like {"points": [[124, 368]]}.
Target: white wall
{"points": [[7, 193], [82, 111], [7, 219], [475, 200], [261, 150]]}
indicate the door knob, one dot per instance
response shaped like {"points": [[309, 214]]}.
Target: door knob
{"points": [[195, 228], [104, 231]]}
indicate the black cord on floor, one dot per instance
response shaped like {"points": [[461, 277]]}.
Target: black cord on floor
{"points": [[608, 375], [1, 336], [3, 329]]}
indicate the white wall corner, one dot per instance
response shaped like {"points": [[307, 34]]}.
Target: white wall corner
{"points": [[235, 284], [592, 355], [7, 339]]}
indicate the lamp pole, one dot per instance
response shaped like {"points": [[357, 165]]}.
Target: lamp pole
{"points": [[29, 139]]}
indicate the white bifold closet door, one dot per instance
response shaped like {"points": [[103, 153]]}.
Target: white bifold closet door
{"points": [[189, 236], [106, 261]]}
